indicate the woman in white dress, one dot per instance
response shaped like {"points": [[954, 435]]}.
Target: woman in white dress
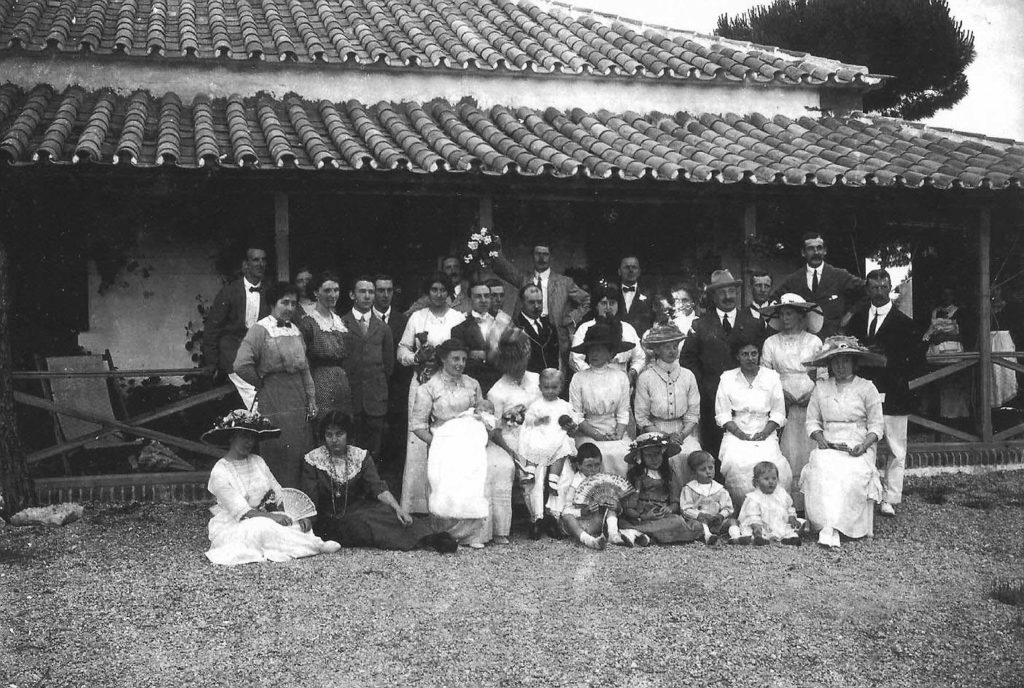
{"points": [[750, 407], [600, 395], [631, 361], [245, 526], [667, 399], [427, 328], [796, 321], [512, 394], [844, 418]]}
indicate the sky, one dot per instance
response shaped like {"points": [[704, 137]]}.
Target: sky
{"points": [[994, 105]]}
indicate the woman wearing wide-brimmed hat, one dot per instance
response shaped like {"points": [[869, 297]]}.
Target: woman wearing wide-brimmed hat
{"points": [[844, 418], [605, 298], [600, 394], [796, 321], [245, 526], [667, 398]]}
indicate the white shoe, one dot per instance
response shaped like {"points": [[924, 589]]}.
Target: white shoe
{"points": [[330, 547], [887, 509], [476, 545]]}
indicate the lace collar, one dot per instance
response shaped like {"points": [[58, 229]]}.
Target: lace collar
{"points": [[340, 470], [331, 324], [269, 323]]}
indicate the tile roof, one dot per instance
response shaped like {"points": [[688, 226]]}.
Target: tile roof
{"points": [[481, 35], [42, 126]]}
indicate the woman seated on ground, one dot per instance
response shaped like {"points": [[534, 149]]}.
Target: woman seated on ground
{"points": [[247, 524], [600, 395], [844, 418], [450, 417], [667, 399], [354, 506], [749, 407], [606, 309], [796, 322]]}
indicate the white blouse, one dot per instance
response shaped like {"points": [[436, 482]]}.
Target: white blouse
{"points": [[601, 397], [751, 404], [438, 331]]}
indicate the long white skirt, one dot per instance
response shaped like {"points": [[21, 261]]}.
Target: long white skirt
{"points": [[457, 470], [1004, 380], [260, 539], [839, 491], [738, 461]]}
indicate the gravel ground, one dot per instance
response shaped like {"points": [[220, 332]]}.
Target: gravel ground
{"points": [[126, 598]]}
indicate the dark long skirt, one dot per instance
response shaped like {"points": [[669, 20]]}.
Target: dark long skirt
{"points": [[373, 525], [667, 530], [283, 400]]}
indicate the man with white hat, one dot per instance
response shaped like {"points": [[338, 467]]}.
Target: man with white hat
{"points": [[706, 352]]}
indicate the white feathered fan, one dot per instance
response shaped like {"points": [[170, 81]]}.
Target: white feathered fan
{"points": [[601, 491]]}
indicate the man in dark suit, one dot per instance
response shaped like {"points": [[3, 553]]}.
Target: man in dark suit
{"points": [[834, 289], [707, 351], [544, 351], [563, 302], [885, 329], [760, 296], [235, 309], [634, 302], [401, 376], [476, 333], [369, 360]]}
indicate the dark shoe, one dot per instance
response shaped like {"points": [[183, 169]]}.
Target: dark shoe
{"points": [[443, 543], [535, 530], [745, 540], [760, 541], [794, 541], [553, 528], [712, 541]]}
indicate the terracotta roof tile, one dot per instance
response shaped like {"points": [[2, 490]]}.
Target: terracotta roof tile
{"points": [[76, 126], [448, 34]]}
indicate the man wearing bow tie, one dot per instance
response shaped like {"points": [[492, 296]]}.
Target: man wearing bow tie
{"points": [[634, 303], [563, 302], [832, 288], [370, 358], [235, 309], [544, 351], [475, 332], [884, 328]]}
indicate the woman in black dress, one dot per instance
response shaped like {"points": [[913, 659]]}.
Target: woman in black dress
{"points": [[353, 503]]}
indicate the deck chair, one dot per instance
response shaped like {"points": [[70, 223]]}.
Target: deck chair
{"points": [[91, 393]]}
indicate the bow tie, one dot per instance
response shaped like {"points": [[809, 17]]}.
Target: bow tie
{"points": [[284, 323], [625, 289], [256, 289]]}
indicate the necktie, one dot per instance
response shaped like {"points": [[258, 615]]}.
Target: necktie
{"points": [[874, 326], [537, 281], [256, 289], [814, 281], [628, 289], [384, 318], [284, 323], [363, 324], [726, 325]]}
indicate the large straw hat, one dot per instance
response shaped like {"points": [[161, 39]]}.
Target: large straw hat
{"points": [[843, 345], [668, 333], [651, 439], [602, 334], [249, 421], [813, 317], [722, 278]]}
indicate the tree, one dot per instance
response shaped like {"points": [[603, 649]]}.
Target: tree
{"points": [[917, 42], [15, 483]]}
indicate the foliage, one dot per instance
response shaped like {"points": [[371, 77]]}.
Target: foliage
{"points": [[917, 42], [194, 331]]}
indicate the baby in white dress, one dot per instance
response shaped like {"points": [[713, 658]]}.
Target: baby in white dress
{"points": [[545, 438], [768, 513]]}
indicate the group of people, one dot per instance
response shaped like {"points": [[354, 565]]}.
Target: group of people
{"points": [[744, 418]]}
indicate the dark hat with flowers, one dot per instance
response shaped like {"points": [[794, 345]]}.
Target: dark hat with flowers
{"points": [[240, 420]]}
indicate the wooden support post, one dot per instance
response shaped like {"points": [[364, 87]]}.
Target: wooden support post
{"points": [[487, 213], [985, 322], [749, 232], [281, 238]]}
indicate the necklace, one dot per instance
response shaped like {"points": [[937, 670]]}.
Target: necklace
{"points": [[336, 480]]}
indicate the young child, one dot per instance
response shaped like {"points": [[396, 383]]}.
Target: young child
{"points": [[706, 502], [588, 521], [545, 442], [653, 509], [768, 512]]}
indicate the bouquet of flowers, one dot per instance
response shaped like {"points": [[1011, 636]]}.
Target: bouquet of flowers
{"points": [[514, 416], [481, 248]]}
